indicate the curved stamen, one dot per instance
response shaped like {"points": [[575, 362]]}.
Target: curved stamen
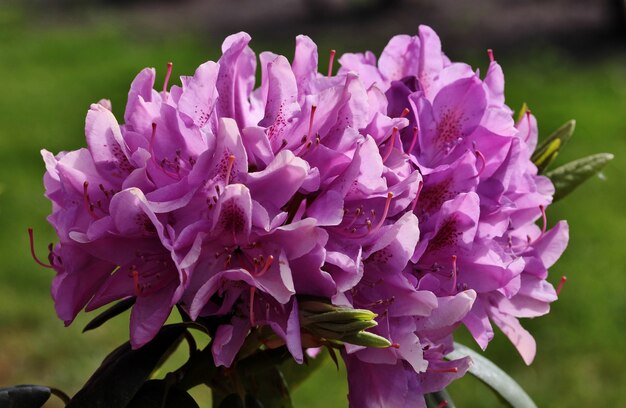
{"points": [[413, 140], [331, 62], [313, 109], [490, 53], [136, 282], [168, 74], [251, 312], [419, 190], [529, 127], [544, 219], [454, 273], [32, 250], [229, 168], [405, 112], [560, 286], [385, 211], [391, 143], [483, 162], [266, 267]]}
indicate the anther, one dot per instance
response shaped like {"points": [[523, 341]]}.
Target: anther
{"points": [[560, 286], [391, 143], [404, 112], [229, 168], [32, 250], [330, 63]]}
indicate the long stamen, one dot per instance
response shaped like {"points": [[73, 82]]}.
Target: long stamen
{"points": [[419, 190], [443, 370], [391, 143], [544, 219], [229, 168], [266, 267], [414, 140], [454, 272], [136, 282], [313, 109], [168, 74], [405, 112], [385, 211], [560, 286], [252, 291], [330, 63], [32, 250], [528, 120], [483, 162], [490, 53]]}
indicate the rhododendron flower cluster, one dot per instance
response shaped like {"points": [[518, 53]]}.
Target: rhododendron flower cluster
{"points": [[402, 186]]}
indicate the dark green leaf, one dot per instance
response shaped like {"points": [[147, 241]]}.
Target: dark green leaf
{"points": [[568, 177], [269, 388], [490, 374], [231, 401], [123, 372], [547, 151], [116, 309], [435, 399], [295, 374], [24, 396], [157, 394]]}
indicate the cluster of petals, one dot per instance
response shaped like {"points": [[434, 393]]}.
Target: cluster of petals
{"points": [[402, 186]]}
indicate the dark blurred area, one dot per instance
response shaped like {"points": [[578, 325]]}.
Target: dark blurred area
{"points": [[579, 26]]}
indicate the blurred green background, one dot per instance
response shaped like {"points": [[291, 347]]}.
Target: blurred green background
{"points": [[58, 57]]}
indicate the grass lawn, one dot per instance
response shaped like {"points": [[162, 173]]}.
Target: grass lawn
{"points": [[51, 75]]}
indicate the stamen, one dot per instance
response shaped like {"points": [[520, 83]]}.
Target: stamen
{"points": [[391, 143], [168, 74], [266, 267], [483, 162], [544, 219], [414, 140], [443, 370], [490, 53], [32, 250], [252, 291], [88, 206], [330, 63], [136, 282], [313, 109], [385, 211], [453, 273], [528, 120], [229, 168], [395, 345], [405, 112], [560, 286], [443, 404], [419, 190]]}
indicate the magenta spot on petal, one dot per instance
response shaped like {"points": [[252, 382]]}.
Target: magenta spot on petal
{"points": [[232, 217], [447, 235], [449, 129]]}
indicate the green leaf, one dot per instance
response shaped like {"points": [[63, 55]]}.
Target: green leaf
{"points": [[230, 401], [435, 399], [547, 151], [158, 394], [494, 377], [295, 374], [269, 388], [568, 177], [24, 396], [116, 309], [123, 372]]}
